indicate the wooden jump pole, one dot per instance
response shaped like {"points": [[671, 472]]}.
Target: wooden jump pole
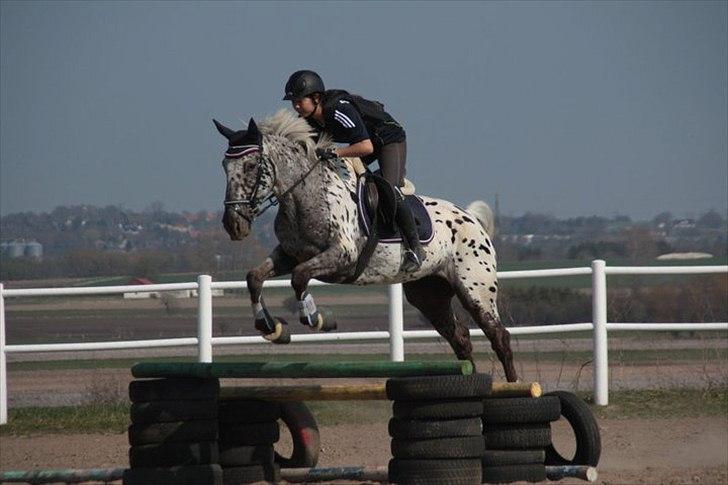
{"points": [[368, 473], [352, 392], [379, 473], [516, 389], [68, 475], [300, 369], [355, 473]]}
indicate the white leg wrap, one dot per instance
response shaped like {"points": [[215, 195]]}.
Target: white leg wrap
{"points": [[258, 310], [307, 307]]}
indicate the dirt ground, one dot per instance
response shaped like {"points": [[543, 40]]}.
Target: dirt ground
{"points": [[634, 451]]}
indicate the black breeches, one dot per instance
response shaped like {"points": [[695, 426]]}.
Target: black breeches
{"points": [[392, 160]]}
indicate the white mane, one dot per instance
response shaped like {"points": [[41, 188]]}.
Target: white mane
{"points": [[287, 124]]}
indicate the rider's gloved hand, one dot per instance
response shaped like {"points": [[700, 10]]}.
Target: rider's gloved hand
{"points": [[326, 153]]}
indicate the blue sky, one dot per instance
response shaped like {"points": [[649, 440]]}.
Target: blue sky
{"points": [[568, 108]]}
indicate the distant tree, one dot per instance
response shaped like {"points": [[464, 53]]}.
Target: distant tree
{"points": [[640, 244], [711, 220], [663, 218], [597, 250], [155, 208], [150, 264]]}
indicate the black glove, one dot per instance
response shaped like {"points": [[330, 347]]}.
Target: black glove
{"points": [[326, 153]]}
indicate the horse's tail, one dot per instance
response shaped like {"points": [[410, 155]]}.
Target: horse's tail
{"points": [[484, 214]]}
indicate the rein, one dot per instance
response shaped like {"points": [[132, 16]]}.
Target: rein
{"points": [[271, 198]]}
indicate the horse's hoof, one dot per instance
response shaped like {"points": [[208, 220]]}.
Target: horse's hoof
{"points": [[280, 335], [326, 324]]}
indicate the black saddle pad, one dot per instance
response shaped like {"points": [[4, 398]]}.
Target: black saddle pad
{"points": [[386, 235]]}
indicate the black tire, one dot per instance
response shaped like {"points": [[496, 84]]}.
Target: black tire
{"points": [[233, 456], [516, 436], [174, 389], [438, 410], [178, 475], [586, 431], [513, 457], [428, 388], [251, 474], [250, 434], [169, 411], [521, 410], [435, 472], [174, 432], [173, 454], [248, 411], [304, 434], [467, 447], [514, 473], [418, 429]]}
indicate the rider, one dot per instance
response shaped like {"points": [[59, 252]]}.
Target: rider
{"points": [[372, 134]]}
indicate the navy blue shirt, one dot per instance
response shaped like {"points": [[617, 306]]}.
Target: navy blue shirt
{"points": [[344, 123]]}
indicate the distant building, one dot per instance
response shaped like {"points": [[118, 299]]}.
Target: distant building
{"points": [[22, 248], [34, 250]]}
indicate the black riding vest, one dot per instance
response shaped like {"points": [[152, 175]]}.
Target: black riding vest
{"points": [[382, 128]]}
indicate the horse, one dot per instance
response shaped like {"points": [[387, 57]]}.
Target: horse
{"points": [[320, 236]]}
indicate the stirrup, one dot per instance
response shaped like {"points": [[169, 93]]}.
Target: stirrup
{"points": [[410, 262]]}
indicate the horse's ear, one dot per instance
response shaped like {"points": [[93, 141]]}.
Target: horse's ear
{"points": [[224, 130], [253, 131]]}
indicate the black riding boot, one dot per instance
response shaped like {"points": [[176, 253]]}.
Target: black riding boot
{"points": [[413, 255]]}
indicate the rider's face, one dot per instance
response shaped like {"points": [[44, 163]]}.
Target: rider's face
{"points": [[304, 106]]}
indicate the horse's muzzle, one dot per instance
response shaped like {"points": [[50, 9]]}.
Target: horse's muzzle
{"points": [[236, 225]]}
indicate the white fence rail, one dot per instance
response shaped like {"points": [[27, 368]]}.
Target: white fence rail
{"points": [[396, 334]]}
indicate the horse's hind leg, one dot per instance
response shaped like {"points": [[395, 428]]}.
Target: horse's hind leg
{"points": [[432, 296], [479, 299]]}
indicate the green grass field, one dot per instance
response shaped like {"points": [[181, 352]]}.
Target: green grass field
{"points": [[632, 357], [560, 281]]}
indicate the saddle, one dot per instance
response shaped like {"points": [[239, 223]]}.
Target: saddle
{"points": [[377, 201]]}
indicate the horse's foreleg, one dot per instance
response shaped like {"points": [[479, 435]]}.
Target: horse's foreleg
{"points": [[276, 264], [326, 263]]}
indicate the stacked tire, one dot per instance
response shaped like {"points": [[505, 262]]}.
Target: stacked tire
{"points": [[248, 431], [586, 432], [174, 432], [436, 429], [516, 432]]}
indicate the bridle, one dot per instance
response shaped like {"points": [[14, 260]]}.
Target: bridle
{"points": [[254, 203]]}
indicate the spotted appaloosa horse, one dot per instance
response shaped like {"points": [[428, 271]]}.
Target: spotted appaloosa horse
{"points": [[320, 237]]}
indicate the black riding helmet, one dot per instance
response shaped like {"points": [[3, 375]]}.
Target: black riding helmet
{"points": [[303, 83]]}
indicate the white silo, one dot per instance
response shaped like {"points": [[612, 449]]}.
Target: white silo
{"points": [[15, 249], [33, 249]]}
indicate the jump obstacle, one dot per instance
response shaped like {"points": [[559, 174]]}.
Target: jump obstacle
{"points": [[304, 393], [380, 473], [217, 370], [293, 475]]}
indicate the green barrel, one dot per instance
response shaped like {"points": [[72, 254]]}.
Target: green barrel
{"points": [[301, 369]]}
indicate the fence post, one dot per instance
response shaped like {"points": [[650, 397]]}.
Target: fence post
{"points": [[204, 318], [599, 318], [3, 363], [396, 323]]}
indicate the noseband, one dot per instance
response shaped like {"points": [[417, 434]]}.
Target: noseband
{"points": [[254, 202]]}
